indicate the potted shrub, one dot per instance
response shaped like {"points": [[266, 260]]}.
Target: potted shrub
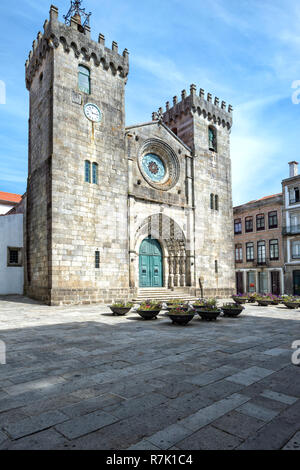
{"points": [[262, 301], [252, 298], [121, 308], [149, 310], [232, 310], [180, 316], [273, 299], [207, 309], [291, 302], [240, 298], [173, 303]]}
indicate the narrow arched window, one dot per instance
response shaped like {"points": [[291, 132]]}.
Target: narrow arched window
{"points": [[212, 201], [95, 173], [212, 139], [84, 79], [87, 171], [217, 203]]}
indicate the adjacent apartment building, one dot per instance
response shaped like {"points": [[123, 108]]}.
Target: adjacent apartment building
{"points": [[258, 246], [291, 230], [267, 241]]}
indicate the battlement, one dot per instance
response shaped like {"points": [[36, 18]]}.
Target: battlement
{"points": [[207, 108], [74, 38]]}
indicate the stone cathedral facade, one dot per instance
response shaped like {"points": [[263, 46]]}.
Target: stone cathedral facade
{"points": [[114, 209]]}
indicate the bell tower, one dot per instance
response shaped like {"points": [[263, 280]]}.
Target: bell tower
{"points": [[76, 221], [205, 126]]}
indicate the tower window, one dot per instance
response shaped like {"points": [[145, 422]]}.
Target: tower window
{"points": [[217, 203], [84, 80], [216, 267], [212, 139], [97, 259], [95, 173], [212, 201], [87, 171]]}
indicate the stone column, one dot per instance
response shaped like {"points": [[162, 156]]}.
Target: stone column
{"points": [[182, 269], [176, 271], [171, 271]]}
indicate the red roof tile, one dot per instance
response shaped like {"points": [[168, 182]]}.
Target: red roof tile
{"points": [[9, 197]]}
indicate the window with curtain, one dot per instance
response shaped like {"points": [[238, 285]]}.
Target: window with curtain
{"points": [[273, 221], [239, 253], [249, 224], [260, 222], [87, 171], [274, 249], [95, 173], [237, 226], [84, 80], [296, 249], [261, 252], [250, 251]]}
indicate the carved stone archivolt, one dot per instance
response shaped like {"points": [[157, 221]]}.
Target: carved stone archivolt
{"points": [[174, 245]]}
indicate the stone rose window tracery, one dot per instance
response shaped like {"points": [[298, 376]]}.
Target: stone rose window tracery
{"points": [[154, 167], [159, 164]]}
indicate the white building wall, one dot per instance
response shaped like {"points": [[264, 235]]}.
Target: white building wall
{"points": [[4, 208], [11, 235]]}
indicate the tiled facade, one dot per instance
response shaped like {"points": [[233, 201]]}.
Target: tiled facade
{"points": [[259, 257]]}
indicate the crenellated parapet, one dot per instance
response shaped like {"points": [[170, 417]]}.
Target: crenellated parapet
{"points": [[207, 107], [76, 39]]}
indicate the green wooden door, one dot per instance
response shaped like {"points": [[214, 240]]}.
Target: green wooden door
{"points": [[296, 281], [151, 264]]}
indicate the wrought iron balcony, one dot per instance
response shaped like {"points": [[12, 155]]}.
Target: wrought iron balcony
{"points": [[291, 230]]}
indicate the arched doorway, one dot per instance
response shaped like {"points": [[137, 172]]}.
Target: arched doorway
{"points": [[150, 264]]}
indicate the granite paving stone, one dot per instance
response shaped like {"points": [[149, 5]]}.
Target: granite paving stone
{"points": [[78, 378], [238, 424], [31, 425], [209, 438], [85, 424]]}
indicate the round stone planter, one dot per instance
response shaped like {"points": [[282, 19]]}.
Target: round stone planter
{"points": [[263, 303], [291, 305], [180, 319], [232, 312], [120, 310], [240, 300], [208, 315], [148, 314]]}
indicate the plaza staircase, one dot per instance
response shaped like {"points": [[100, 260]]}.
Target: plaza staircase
{"points": [[163, 294]]}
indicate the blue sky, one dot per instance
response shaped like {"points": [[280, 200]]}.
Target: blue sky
{"points": [[244, 52]]}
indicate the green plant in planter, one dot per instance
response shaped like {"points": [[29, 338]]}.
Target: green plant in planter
{"points": [[232, 306], [149, 306], [180, 317], [122, 305], [209, 304], [232, 310], [121, 308]]}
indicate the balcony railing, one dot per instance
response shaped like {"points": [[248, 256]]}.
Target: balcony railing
{"points": [[291, 230]]}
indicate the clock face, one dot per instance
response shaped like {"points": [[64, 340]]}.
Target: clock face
{"points": [[92, 112]]}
